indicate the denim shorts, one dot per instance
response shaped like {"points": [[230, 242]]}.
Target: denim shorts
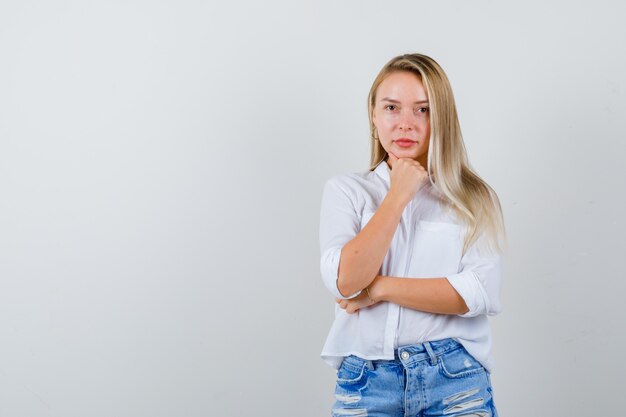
{"points": [[437, 378]]}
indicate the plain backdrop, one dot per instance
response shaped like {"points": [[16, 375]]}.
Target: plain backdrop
{"points": [[161, 168]]}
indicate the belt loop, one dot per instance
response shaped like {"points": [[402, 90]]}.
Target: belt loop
{"points": [[370, 364], [429, 349]]}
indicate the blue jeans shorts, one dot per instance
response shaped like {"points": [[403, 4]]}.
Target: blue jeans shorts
{"points": [[437, 378]]}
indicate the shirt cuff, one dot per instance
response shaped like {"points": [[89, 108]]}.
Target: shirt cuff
{"points": [[330, 273], [356, 294], [469, 288]]}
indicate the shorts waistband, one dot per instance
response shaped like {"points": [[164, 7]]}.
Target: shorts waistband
{"points": [[436, 347], [411, 353]]}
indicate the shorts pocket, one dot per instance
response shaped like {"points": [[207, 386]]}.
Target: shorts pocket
{"points": [[352, 373], [459, 364]]}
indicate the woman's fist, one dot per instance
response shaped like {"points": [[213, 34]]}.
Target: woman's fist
{"points": [[407, 177]]}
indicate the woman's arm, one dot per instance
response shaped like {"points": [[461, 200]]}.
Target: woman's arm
{"points": [[473, 291], [351, 257], [362, 257], [434, 295]]}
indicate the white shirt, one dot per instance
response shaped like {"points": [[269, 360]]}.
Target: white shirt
{"points": [[427, 244]]}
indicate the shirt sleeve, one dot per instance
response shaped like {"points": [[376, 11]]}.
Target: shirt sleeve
{"points": [[339, 223], [479, 280]]}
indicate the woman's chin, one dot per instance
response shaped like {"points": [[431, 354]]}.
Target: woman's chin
{"points": [[406, 153]]}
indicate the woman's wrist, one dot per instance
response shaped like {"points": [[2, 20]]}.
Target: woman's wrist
{"points": [[377, 288], [395, 201]]}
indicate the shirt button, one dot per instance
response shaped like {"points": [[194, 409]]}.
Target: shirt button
{"points": [[405, 355]]}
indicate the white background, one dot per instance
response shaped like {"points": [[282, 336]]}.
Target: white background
{"points": [[161, 165]]}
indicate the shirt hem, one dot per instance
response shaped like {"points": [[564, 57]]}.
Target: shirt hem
{"points": [[334, 359]]}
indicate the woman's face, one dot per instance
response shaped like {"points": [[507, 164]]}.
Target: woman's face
{"points": [[401, 112]]}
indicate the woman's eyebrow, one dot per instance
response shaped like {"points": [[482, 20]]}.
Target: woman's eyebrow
{"points": [[396, 101]]}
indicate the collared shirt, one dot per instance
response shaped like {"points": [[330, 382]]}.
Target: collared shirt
{"points": [[428, 243]]}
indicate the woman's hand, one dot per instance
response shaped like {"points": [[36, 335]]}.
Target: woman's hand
{"points": [[407, 176], [362, 300]]}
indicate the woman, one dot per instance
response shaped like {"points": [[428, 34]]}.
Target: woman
{"points": [[411, 251]]}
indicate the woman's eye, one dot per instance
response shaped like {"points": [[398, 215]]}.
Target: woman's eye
{"points": [[389, 105], [423, 109]]}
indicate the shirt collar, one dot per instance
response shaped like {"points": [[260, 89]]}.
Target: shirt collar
{"points": [[382, 169]]}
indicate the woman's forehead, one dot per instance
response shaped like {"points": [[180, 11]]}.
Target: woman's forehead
{"points": [[402, 87]]}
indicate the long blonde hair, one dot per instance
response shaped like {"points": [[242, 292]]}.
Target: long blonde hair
{"points": [[472, 199]]}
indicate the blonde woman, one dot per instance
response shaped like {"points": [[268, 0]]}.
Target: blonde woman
{"points": [[411, 251]]}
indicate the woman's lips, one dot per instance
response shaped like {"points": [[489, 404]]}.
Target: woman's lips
{"points": [[405, 143]]}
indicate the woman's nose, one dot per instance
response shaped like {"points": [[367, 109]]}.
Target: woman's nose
{"points": [[407, 120]]}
